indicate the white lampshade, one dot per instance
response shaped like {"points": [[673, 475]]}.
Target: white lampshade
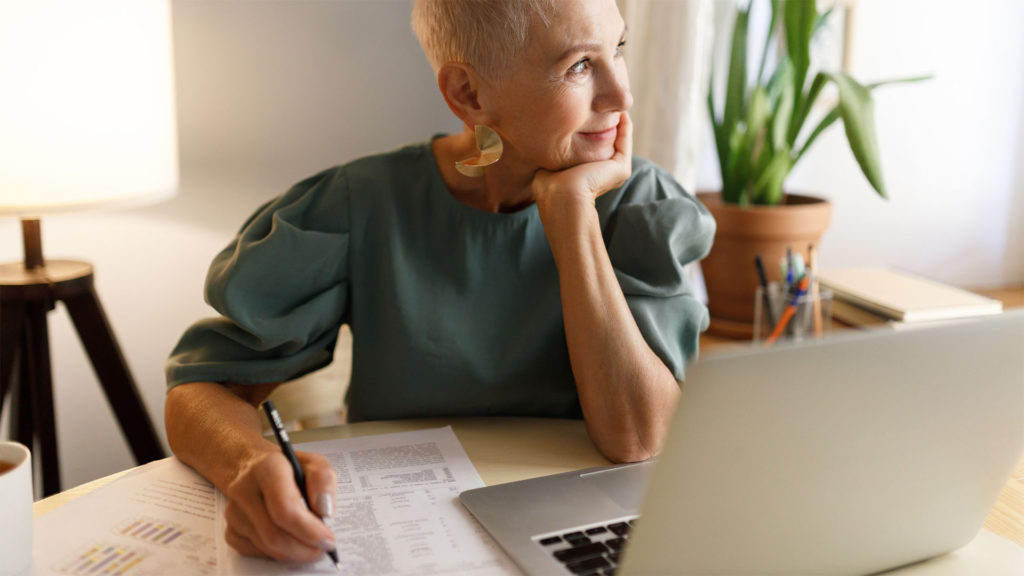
{"points": [[87, 110]]}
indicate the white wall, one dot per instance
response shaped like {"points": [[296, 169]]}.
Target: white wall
{"points": [[271, 91]]}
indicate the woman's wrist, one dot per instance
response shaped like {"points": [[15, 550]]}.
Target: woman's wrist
{"points": [[568, 220], [214, 431]]}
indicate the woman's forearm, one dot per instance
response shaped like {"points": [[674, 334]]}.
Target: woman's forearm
{"points": [[626, 392], [214, 428]]}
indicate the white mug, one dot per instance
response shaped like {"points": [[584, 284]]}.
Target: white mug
{"points": [[16, 504]]}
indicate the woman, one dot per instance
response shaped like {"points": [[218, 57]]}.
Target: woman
{"points": [[547, 283]]}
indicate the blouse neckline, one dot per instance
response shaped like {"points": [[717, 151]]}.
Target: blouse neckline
{"points": [[440, 188]]}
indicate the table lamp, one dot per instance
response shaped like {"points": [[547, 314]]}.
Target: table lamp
{"points": [[87, 121]]}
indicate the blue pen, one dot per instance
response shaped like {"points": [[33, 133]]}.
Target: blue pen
{"points": [[789, 269]]}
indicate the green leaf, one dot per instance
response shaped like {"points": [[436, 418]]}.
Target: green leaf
{"points": [[721, 143], [822, 18], [797, 124], [857, 109], [783, 75], [783, 106], [760, 160], [800, 18], [757, 112], [827, 121], [768, 187], [776, 8], [735, 95], [908, 80], [753, 140], [833, 114], [735, 175]]}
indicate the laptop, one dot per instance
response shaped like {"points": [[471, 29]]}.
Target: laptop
{"points": [[850, 455]]}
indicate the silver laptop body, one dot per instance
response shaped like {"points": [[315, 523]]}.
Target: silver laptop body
{"points": [[852, 455]]}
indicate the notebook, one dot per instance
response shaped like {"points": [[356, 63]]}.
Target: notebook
{"points": [[904, 296], [850, 455]]}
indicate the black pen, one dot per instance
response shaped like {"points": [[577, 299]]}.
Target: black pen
{"points": [[286, 447], [765, 298]]}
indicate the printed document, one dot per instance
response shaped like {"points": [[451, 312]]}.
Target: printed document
{"points": [[397, 511], [155, 521]]}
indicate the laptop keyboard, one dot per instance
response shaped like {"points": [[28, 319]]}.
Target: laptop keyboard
{"points": [[589, 551]]}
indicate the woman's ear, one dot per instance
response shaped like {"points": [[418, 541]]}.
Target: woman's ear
{"points": [[460, 85]]}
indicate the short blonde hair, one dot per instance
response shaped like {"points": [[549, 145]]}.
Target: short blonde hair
{"points": [[487, 34]]}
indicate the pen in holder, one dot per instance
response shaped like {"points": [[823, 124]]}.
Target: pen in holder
{"points": [[810, 317]]}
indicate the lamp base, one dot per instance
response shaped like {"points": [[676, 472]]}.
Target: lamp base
{"points": [[26, 296], [67, 276]]}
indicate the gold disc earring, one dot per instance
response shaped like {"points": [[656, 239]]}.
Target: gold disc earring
{"points": [[489, 144]]}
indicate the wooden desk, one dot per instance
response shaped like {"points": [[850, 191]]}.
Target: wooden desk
{"points": [[502, 449], [508, 449]]}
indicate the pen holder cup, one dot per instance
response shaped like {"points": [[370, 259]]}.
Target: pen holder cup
{"points": [[811, 317]]}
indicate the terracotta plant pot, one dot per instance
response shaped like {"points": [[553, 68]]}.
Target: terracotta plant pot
{"points": [[744, 232]]}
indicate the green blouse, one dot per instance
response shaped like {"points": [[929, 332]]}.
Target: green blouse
{"points": [[453, 311]]}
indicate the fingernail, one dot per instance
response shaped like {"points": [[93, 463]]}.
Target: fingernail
{"points": [[325, 505], [327, 545]]}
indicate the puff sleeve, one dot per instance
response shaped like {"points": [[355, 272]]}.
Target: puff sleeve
{"points": [[656, 229], [281, 288]]}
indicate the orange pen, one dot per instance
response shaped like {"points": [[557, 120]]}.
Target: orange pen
{"points": [[801, 289]]}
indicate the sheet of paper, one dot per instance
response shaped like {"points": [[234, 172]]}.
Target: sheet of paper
{"points": [[157, 520], [397, 511]]}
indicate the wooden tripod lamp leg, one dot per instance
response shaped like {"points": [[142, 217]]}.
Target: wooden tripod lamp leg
{"points": [[39, 389], [24, 343], [22, 411], [28, 292], [12, 316], [112, 370]]}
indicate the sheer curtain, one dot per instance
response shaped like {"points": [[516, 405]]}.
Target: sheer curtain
{"points": [[668, 52]]}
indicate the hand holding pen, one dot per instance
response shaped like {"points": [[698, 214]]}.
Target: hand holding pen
{"points": [[300, 477], [265, 513]]}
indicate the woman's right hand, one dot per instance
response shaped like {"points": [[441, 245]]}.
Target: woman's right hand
{"points": [[218, 431], [266, 515]]}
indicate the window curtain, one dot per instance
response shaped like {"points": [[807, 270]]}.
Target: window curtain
{"points": [[668, 52]]}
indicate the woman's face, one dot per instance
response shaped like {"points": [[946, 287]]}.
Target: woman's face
{"points": [[559, 104]]}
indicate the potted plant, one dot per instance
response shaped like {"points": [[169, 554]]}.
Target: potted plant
{"points": [[763, 129]]}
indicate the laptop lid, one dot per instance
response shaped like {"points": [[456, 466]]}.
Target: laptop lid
{"points": [[851, 455]]}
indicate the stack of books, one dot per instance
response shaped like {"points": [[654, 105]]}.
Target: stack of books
{"points": [[875, 297]]}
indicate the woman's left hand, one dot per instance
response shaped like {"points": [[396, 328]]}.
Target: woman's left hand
{"points": [[626, 392], [589, 180]]}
